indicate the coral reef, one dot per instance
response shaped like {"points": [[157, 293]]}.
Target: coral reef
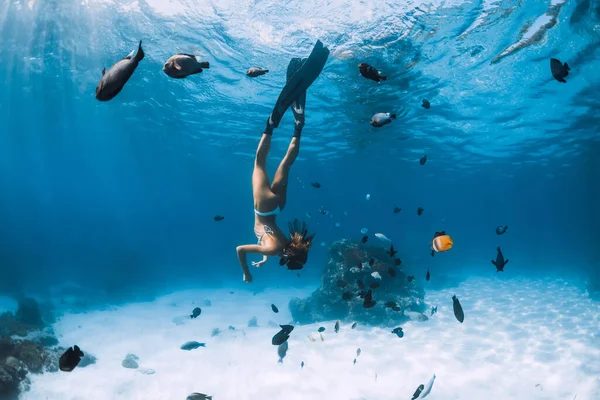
{"points": [[345, 281]]}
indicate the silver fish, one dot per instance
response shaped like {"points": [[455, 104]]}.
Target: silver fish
{"points": [[282, 351], [199, 396], [192, 345], [116, 77], [183, 65], [425, 392], [256, 71], [380, 119]]}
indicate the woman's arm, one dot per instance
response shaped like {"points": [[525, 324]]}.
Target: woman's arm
{"points": [[250, 248]]}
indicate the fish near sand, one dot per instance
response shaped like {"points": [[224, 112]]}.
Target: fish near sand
{"points": [[196, 312], [458, 311], [427, 389], [370, 72], [302, 364], [70, 359], [354, 325], [199, 396], [282, 351], [500, 261], [441, 242], [321, 329], [182, 65], [381, 119], [282, 335], [369, 302], [418, 392], [416, 316], [113, 80], [559, 70], [256, 71], [398, 332], [433, 310], [192, 345], [274, 308], [336, 328]]}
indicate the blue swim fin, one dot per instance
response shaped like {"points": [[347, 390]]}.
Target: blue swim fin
{"points": [[298, 105], [298, 83]]}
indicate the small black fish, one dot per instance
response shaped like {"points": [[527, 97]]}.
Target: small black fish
{"points": [[369, 302], [196, 312], [370, 73], [274, 308], [321, 329], [282, 335], [70, 358], [397, 261], [374, 285], [219, 218], [302, 364], [417, 393], [341, 284], [428, 275], [355, 361], [113, 80], [397, 210], [354, 325], [316, 185], [231, 328], [346, 296], [458, 311], [392, 252], [391, 271], [411, 278], [426, 104], [199, 396], [423, 160], [500, 230], [398, 332], [559, 70], [183, 65], [336, 328], [371, 262], [500, 261], [433, 310], [364, 239], [420, 211], [360, 284]]}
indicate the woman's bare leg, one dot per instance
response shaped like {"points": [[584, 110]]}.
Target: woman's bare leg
{"points": [[280, 182], [260, 178]]}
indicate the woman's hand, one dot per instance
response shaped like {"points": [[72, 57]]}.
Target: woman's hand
{"points": [[259, 263]]}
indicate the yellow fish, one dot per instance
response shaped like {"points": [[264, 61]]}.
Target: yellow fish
{"points": [[441, 242]]}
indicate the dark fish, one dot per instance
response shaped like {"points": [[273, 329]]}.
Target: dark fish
{"points": [[420, 211], [354, 325], [433, 310], [381, 119], [458, 311], [282, 351], [196, 312], [336, 328], [393, 305], [374, 285], [428, 275], [316, 185], [369, 302], [417, 393], [362, 294], [199, 396], [302, 364], [183, 65], [360, 284], [321, 329], [500, 230], [392, 252], [346, 296], [219, 218], [341, 284], [113, 80], [298, 275], [500, 261], [423, 160], [397, 261], [192, 345], [411, 278], [559, 70], [391, 271], [231, 328], [398, 332], [397, 210], [283, 335], [364, 239], [274, 308], [323, 211], [256, 71], [371, 262], [426, 104], [359, 265], [355, 361], [70, 358], [370, 73]]}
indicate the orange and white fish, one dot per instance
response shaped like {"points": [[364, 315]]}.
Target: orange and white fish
{"points": [[441, 242]]}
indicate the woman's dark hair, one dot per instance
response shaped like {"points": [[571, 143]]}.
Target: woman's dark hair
{"points": [[295, 253]]}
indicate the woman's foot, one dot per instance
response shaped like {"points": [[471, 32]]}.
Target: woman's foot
{"points": [[247, 277]]}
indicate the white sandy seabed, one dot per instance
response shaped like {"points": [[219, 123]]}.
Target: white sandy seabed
{"points": [[521, 339]]}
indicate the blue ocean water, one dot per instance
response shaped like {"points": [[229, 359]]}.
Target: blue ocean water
{"points": [[120, 196]]}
